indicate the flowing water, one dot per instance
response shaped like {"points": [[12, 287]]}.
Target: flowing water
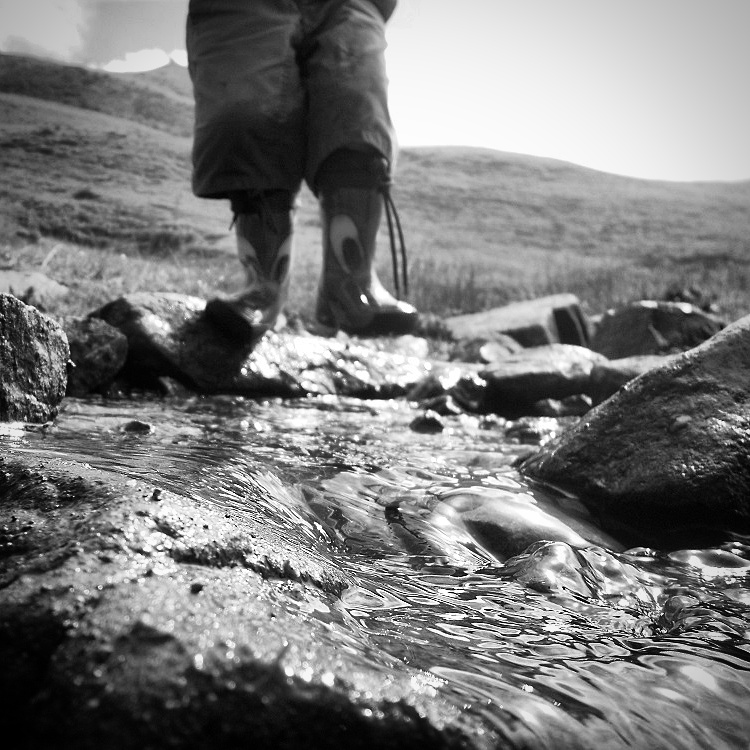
{"points": [[641, 648]]}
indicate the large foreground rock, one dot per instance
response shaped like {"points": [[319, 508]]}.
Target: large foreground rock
{"points": [[169, 337], [131, 617], [668, 456], [33, 363]]}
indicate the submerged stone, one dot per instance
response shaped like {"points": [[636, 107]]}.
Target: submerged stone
{"points": [[506, 523], [667, 458]]}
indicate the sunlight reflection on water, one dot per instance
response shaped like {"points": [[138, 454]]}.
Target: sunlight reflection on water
{"points": [[640, 648]]}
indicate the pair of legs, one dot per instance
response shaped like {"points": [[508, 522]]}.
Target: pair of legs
{"points": [[286, 91]]}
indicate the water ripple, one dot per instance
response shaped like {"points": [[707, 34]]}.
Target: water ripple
{"points": [[584, 645]]}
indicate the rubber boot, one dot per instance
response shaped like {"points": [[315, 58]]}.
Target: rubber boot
{"points": [[350, 295], [264, 247]]}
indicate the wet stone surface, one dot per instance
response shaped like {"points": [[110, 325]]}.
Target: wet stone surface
{"points": [[314, 573], [168, 336]]}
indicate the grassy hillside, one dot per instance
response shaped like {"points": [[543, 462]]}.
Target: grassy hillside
{"points": [[94, 182]]}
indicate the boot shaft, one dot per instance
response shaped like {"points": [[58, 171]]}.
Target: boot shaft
{"points": [[264, 246], [351, 296], [350, 219]]}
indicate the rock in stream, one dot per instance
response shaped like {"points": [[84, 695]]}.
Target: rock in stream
{"points": [[131, 617], [668, 456]]}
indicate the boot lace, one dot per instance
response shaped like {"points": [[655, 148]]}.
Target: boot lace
{"points": [[394, 229]]}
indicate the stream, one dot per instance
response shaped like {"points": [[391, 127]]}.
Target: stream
{"points": [[641, 648]]}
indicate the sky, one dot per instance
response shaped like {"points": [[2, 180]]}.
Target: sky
{"points": [[658, 89]]}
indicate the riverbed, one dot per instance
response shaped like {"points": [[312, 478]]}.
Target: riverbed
{"points": [[639, 648]]}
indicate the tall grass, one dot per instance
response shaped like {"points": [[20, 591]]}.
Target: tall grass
{"points": [[441, 287]]}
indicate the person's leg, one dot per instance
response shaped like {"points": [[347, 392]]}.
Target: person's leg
{"points": [[351, 150], [249, 143], [249, 132], [263, 225]]}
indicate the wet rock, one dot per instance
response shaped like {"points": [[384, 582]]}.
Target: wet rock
{"points": [[554, 319], [550, 380], [551, 567], [427, 423], [506, 523], [168, 337], [128, 624], [443, 405], [667, 458], [572, 406], [447, 379], [555, 371], [469, 392], [649, 327], [559, 568], [32, 287], [33, 363], [693, 295], [484, 350], [609, 376], [138, 427], [97, 351], [407, 345], [535, 430]]}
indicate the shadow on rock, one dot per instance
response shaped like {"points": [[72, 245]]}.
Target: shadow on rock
{"points": [[168, 336]]}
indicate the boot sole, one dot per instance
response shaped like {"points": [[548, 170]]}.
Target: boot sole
{"points": [[382, 324]]}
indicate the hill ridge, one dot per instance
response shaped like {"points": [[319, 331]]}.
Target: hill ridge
{"points": [[507, 225]]}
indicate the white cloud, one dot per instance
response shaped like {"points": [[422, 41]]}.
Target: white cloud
{"points": [[179, 56], [145, 59], [136, 62]]}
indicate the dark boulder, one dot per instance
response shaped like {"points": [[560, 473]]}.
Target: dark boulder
{"points": [[168, 336], [557, 319], [33, 363], [666, 460], [649, 327], [97, 353]]}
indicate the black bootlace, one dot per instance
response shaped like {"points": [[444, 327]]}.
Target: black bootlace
{"points": [[394, 227]]}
